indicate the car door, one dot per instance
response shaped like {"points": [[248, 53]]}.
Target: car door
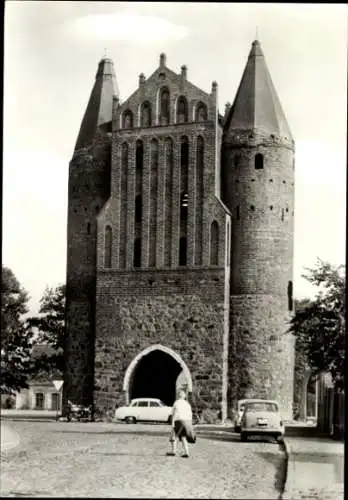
{"points": [[155, 412], [143, 410], [133, 410]]}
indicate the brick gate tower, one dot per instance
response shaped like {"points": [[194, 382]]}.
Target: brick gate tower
{"points": [[166, 196], [258, 188]]}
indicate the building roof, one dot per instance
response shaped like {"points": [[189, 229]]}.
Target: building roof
{"points": [[44, 376], [256, 106], [99, 107], [39, 350]]}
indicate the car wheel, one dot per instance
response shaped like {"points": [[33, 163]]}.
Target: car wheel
{"points": [[243, 436], [169, 420], [130, 420]]}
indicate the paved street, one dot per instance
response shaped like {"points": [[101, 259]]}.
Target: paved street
{"points": [[118, 460]]}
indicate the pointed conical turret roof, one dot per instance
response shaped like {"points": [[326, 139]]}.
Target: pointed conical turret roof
{"points": [[257, 106], [99, 107]]}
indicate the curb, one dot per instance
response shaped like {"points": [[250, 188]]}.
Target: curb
{"points": [[11, 418]]}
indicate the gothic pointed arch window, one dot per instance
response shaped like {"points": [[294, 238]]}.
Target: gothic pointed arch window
{"points": [[199, 200], [201, 112], [259, 161], [146, 115], [169, 173], [153, 202], [164, 106], [182, 110], [128, 119], [107, 247], [214, 244], [184, 200]]}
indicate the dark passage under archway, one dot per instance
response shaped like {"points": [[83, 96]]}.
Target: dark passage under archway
{"points": [[155, 376]]}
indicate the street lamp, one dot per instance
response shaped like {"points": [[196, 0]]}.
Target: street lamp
{"points": [[58, 384]]}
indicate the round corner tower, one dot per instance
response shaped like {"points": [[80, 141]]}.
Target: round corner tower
{"points": [[258, 188], [89, 189]]}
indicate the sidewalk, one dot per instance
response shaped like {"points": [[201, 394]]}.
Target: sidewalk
{"points": [[28, 414], [315, 469]]}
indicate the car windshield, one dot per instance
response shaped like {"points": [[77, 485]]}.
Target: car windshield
{"points": [[254, 407]]}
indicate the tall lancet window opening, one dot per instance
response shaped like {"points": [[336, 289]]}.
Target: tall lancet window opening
{"points": [[214, 244], [124, 205], [138, 209], [138, 212], [259, 161], [182, 110], [153, 203], [164, 107], [146, 114], [183, 251], [137, 253], [168, 151], [199, 199], [184, 160], [108, 247]]}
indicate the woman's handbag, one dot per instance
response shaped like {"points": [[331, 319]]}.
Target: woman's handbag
{"points": [[190, 434]]}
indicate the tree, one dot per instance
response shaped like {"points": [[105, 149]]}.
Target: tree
{"points": [[16, 338], [319, 324], [50, 326]]}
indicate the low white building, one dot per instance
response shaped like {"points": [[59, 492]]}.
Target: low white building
{"points": [[42, 393]]}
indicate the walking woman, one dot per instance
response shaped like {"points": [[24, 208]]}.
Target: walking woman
{"points": [[182, 429]]}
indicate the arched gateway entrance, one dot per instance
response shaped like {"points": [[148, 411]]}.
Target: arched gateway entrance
{"points": [[156, 372]]}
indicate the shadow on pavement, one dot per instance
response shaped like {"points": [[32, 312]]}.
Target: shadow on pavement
{"points": [[280, 465], [113, 432], [18, 494], [124, 453], [229, 437]]}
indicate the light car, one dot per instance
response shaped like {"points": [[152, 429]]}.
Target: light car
{"points": [[261, 417], [145, 410], [239, 412]]}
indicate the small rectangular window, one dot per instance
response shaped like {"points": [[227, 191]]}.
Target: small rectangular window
{"points": [[39, 400]]}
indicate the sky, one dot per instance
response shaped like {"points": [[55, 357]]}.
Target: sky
{"points": [[52, 50]]}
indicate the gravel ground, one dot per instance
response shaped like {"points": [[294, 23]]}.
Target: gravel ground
{"points": [[118, 460]]}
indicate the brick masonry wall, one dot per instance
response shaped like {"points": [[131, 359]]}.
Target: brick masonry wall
{"points": [[262, 205], [89, 183], [261, 350], [181, 310]]}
